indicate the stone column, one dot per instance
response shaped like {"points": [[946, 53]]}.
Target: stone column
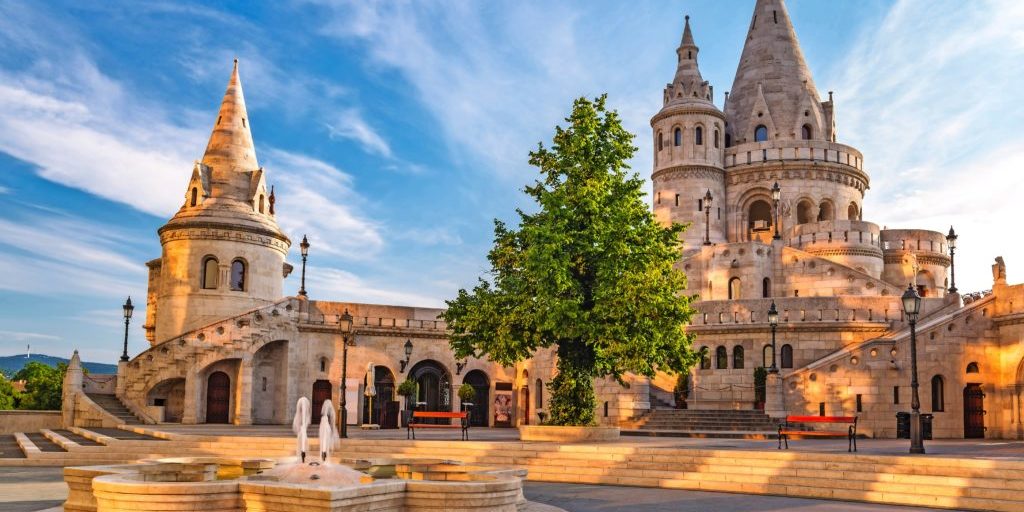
{"points": [[243, 396], [122, 379], [190, 412], [774, 405], [71, 389]]}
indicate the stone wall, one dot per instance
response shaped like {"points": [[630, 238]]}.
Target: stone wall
{"points": [[28, 421]]}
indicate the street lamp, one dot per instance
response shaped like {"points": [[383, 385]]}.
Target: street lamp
{"points": [[304, 246], [128, 308], [459, 366], [951, 239], [408, 353], [773, 320], [345, 322], [707, 218], [912, 307], [776, 195]]}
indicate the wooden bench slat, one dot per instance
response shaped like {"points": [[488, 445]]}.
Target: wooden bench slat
{"points": [[820, 419], [822, 433], [427, 425], [437, 414]]}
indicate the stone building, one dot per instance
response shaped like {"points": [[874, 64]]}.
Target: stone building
{"points": [[836, 278]]}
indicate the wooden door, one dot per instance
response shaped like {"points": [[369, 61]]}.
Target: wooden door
{"points": [[974, 412], [526, 406], [218, 397], [321, 393]]}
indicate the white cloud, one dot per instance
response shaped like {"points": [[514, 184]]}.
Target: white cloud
{"points": [[339, 285], [26, 336], [351, 125]]}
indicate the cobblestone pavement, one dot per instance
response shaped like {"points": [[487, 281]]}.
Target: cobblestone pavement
{"points": [[28, 489]]}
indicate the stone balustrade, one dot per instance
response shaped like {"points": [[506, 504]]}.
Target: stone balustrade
{"points": [[808, 150]]}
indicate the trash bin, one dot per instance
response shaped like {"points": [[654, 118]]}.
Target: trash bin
{"points": [[926, 426], [903, 425]]}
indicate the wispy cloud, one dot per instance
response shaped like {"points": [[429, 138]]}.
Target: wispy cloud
{"points": [[351, 125], [26, 336], [339, 285]]}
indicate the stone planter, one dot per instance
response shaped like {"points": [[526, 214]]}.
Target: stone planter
{"points": [[567, 434]]}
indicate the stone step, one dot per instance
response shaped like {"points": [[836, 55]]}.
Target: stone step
{"points": [[114, 406], [9, 448], [43, 443]]}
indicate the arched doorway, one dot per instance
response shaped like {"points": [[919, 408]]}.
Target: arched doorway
{"points": [[481, 398], [169, 394], [434, 389], [321, 393], [974, 412], [270, 384], [218, 397], [524, 392], [377, 412], [760, 216]]}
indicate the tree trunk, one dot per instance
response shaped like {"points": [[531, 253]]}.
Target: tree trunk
{"points": [[572, 390]]}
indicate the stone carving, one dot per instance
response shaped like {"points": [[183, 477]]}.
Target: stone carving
{"points": [[999, 270]]}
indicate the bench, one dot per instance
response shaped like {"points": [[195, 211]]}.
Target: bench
{"points": [[462, 416], [788, 428]]}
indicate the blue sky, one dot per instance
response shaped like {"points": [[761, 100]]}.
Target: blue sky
{"points": [[395, 132]]}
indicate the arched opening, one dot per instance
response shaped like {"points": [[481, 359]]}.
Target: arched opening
{"points": [[972, 367], [524, 395], [786, 356], [728, 140], [321, 393], [766, 288], [716, 138], [211, 269], [677, 139], [270, 383], [938, 394], [705, 359], [433, 386], [479, 413], [760, 133], [698, 136], [737, 357], [760, 215], [805, 132], [169, 394], [238, 275], [261, 203], [853, 212], [974, 412], [383, 409], [218, 397], [925, 283], [721, 358], [194, 199], [661, 142], [804, 212], [734, 288], [539, 386], [766, 356], [825, 211]]}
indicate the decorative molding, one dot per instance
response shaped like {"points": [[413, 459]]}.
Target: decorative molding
{"points": [[688, 172], [855, 250], [774, 170], [895, 257], [227, 233]]}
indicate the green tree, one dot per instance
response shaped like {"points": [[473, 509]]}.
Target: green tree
{"points": [[590, 272], [43, 385], [8, 396]]}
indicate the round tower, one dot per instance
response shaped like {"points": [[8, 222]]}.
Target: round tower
{"points": [[689, 146], [223, 252]]}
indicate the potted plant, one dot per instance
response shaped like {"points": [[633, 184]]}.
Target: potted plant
{"points": [[682, 390], [466, 395], [407, 389], [760, 383]]}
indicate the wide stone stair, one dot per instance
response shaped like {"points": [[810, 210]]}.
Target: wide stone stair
{"points": [[702, 423], [114, 406]]}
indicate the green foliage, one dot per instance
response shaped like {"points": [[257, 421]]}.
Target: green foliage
{"points": [[407, 388], [760, 384], [43, 385], [467, 393], [9, 398], [591, 271]]}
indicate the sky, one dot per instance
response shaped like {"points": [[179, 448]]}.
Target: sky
{"points": [[396, 132]]}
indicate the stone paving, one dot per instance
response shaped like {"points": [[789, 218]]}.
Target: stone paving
{"points": [[31, 489]]}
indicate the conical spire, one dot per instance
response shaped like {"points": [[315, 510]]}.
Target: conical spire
{"points": [[687, 35], [772, 67], [687, 85], [231, 147]]}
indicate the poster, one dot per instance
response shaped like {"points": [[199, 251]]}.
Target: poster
{"points": [[503, 408]]}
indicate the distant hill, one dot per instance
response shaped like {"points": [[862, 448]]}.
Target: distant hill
{"points": [[10, 365]]}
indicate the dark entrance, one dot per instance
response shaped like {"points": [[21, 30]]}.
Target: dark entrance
{"points": [[384, 384], [321, 393], [434, 389], [974, 412], [218, 397], [526, 405], [481, 385]]}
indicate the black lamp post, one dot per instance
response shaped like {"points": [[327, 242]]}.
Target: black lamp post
{"points": [[776, 195], [951, 239], [773, 321], [346, 338], [707, 218], [408, 354], [912, 307], [304, 246], [128, 308]]}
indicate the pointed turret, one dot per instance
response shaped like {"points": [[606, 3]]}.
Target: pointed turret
{"points": [[231, 147], [688, 85], [773, 86]]}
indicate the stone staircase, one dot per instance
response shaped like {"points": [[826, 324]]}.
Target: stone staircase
{"points": [[114, 406], [702, 423]]}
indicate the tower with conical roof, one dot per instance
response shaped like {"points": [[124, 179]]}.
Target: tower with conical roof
{"points": [[688, 151], [223, 252]]}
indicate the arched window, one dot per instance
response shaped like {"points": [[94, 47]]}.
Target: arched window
{"points": [[972, 367], [766, 287], [678, 137], [238, 275], [323, 364], [698, 136], [705, 361], [721, 358], [211, 271], [540, 395], [261, 203], [760, 133], [825, 211], [805, 132], [853, 212], [803, 212], [938, 394], [734, 288], [728, 140], [716, 137], [737, 357], [787, 356], [195, 197], [661, 142], [760, 215], [766, 356]]}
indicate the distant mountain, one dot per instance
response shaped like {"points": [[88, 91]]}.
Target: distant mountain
{"points": [[10, 365]]}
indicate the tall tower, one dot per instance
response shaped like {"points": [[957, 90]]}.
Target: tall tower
{"points": [[223, 252], [688, 151]]}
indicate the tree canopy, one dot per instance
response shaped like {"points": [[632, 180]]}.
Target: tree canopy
{"points": [[590, 272], [43, 385]]}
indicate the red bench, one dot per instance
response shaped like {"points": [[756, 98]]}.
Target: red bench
{"points": [[462, 416], [789, 428]]}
